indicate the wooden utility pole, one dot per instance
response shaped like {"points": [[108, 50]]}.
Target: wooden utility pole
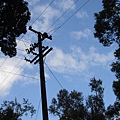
{"points": [[43, 51]]}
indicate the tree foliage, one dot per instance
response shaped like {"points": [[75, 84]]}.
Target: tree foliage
{"points": [[73, 106], [107, 30], [14, 15], [116, 65], [68, 106], [113, 111], [116, 89], [12, 110], [95, 103], [107, 26]]}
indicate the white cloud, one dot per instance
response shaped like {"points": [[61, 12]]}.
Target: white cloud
{"points": [[77, 61], [81, 34], [32, 2], [6, 78], [45, 18], [82, 14], [65, 4], [63, 63], [11, 68]]}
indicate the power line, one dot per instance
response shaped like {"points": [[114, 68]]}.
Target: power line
{"points": [[24, 90], [54, 76], [42, 12], [63, 14], [38, 109], [16, 57], [20, 74], [70, 17], [9, 73], [22, 40], [36, 20], [54, 31], [13, 76], [3, 62]]}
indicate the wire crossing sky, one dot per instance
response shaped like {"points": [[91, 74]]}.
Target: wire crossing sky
{"points": [[76, 56]]}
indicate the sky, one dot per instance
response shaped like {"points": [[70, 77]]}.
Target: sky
{"points": [[76, 56]]}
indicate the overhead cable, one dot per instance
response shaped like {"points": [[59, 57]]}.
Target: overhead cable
{"points": [[54, 76], [56, 29], [63, 14]]}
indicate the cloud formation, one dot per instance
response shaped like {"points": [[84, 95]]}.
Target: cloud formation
{"points": [[65, 4], [11, 65], [44, 19], [77, 61], [81, 34], [11, 68], [82, 14]]}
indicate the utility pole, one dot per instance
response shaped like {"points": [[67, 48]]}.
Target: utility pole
{"points": [[42, 51]]}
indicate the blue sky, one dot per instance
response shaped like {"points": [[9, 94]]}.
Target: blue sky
{"points": [[76, 56]]}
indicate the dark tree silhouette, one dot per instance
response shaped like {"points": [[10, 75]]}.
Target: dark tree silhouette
{"points": [[72, 106], [107, 26], [95, 103], [113, 111], [116, 89], [116, 65], [14, 15], [68, 106], [107, 30], [12, 110]]}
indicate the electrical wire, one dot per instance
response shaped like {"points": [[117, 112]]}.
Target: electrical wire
{"points": [[10, 58], [22, 40], [63, 14], [54, 76], [12, 77], [20, 74], [52, 33], [35, 21], [42, 12], [24, 91], [3, 62], [9, 73], [38, 109], [56, 29]]}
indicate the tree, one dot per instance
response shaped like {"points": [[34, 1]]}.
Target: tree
{"points": [[107, 26], [68, 106], [116, 89], [95, 103], [72, 106], [116, 65], [113, 111], [12, 110], [14, 15], [107, 29]]}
